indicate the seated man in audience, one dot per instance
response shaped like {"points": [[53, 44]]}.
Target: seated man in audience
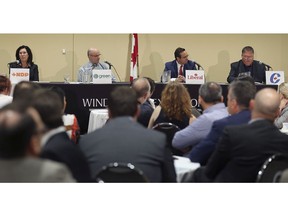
{"points": [[179, 66], [247, 66], [142, 88], [123, 139], [56, 145], [211, 100], [243, 149], [238, 108], [23, 90], [20, 135], [94, 63]]}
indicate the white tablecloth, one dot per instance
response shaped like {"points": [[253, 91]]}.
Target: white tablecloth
{"points": [[98, 117], [183, 165]]}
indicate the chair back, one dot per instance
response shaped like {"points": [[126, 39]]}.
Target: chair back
{"points": [[272, 168], [169, 129], [120, 172]]}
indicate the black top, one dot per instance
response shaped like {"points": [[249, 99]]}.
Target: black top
{"points": [[34, 73], [163, 118]]}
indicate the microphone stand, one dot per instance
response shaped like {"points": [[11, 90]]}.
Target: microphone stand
{"points": [[110, 65]]}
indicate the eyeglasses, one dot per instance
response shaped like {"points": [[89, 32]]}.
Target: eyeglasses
{"points": [[95, 55], [247, 57]]}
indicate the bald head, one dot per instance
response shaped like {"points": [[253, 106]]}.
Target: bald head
{"points": [[142, 88], [93, 55], [266, 104]]}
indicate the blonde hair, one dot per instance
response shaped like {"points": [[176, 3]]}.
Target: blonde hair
{"points": [[176, 101], [283, 89]]}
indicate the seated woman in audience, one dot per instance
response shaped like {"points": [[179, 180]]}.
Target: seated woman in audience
{"points": [[283, 114], [5, 89], [175, 106]]}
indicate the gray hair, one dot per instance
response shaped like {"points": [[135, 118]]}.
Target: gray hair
{"points": [[211, 92]]}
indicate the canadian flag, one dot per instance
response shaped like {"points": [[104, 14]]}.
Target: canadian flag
{"points": [[134, 57]]}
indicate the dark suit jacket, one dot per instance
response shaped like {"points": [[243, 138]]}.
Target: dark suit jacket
{"points": [[243, 149], [258, 71], [123, 140], [201, 152], [34, 73], [146, 111], [174, 70], [60, 148]]}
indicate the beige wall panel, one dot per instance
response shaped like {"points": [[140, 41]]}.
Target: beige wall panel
{"points": [[47, 53], [114, 48], [214, 52]]}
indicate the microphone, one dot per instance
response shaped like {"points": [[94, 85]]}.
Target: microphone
{"points": [[110, 65], [17, 62], [198, 65], [266, 65]]}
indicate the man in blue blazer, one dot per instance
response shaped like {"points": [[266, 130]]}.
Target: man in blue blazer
{"points": [[179, 66], [238, 108]]}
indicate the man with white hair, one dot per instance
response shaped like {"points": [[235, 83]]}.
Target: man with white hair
{"points": [[94, 63]]}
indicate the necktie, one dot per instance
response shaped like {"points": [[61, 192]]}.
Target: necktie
{"points": [[181, 70]]}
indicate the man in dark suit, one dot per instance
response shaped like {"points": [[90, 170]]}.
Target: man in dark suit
{"points": [[21, 130], [179, 66], [56, 144], [238, 108], [243, 149], [247, 66], [122, 139], [142, 89]]}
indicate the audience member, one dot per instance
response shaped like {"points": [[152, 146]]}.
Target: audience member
{"points": [[69, 120], [211, 100], [243, 149], [20, 135], [94, 63], [56, 145], [131, 143], [247, 66], [283, 108], [5, 90], [238, 108], [24, 90], [179, 66], [142, 88], [24, 59], [152, 89], [175, 106]]}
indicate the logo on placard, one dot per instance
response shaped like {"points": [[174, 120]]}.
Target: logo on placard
{"points": [[20, 74], [104, 76], [195, 77], [275, 78]]}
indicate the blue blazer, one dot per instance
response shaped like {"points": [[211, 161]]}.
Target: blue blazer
{"points": [[172, 65], [202, 152]]}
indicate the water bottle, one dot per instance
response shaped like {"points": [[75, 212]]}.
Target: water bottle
{"points": [[86, 78]]}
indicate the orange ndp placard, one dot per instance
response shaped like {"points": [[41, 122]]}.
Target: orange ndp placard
{"points": [[19, 74]]}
